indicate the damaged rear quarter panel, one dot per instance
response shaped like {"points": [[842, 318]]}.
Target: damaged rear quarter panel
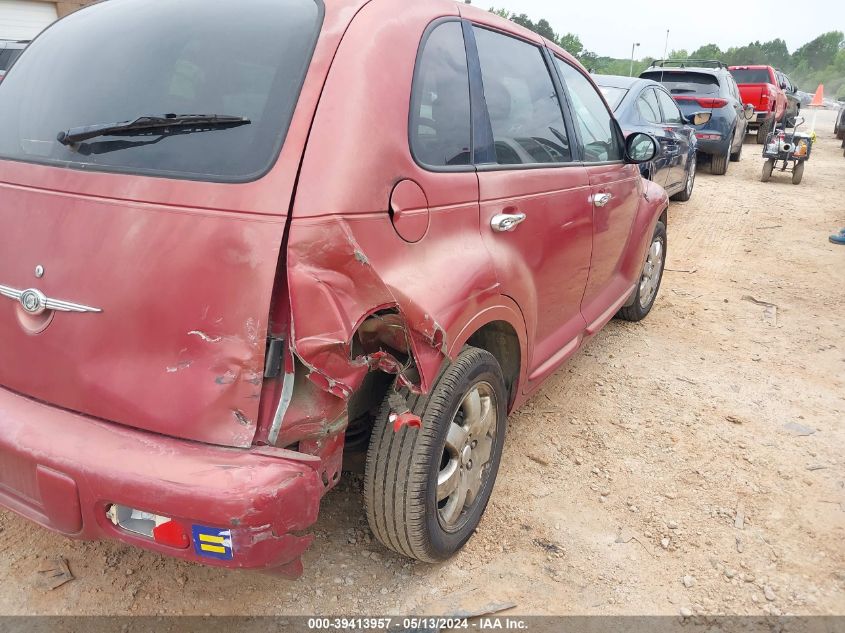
{"points": [[345, 258]]}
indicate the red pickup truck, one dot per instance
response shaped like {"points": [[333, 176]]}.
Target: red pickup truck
{"points": [[758, 85]]}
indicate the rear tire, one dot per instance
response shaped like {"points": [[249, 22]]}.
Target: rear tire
{"points": [[464, 420], [768, 167], [798, 172], [719, 164], [648, 284]]}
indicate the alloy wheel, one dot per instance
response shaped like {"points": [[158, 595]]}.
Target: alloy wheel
{"points": [[464, 465], [651, 273]]}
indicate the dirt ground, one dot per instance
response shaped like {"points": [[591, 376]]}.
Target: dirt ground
{"points": [[693, 461]]}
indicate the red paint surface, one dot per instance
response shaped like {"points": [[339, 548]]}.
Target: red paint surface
{"points": [[159, 402]]}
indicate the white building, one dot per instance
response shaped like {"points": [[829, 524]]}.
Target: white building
{"points": [[24, 19]]}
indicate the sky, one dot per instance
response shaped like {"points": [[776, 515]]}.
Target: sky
{"points": [[610, 27]]}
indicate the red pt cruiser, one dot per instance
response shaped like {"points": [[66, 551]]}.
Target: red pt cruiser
{"points": [[244, 242]]}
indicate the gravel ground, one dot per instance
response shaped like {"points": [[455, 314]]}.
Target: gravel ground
{"points": [[691, 463]]}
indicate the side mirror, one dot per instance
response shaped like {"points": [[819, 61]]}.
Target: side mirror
{"points": [[749, 111], [699, 118], [640, 148]]}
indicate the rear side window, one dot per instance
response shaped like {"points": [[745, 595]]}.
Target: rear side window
{"points": [[647, 106], [598, 131], [680, 83], [671, 113], [441, 128], [522, 101], [118, 61], [751, 75], [613, 95], [8, 56]]}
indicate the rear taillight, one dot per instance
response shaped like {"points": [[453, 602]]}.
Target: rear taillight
{"points": [[161, 529], [704, 102], [764, 99]]}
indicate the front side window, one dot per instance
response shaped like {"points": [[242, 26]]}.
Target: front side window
{"points": [[647, 106], [671, 113], [598, 130], [441, 126], [521, 99], [119, 61]]}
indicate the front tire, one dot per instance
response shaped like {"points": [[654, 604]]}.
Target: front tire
{"points": [[768, 167], [798, 172], [763, 131], [650, 278], [686, 194], [426, 489], [735, 156]]}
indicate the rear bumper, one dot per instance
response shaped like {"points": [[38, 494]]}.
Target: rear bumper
{"points": [[63, 470], [712, 146]]}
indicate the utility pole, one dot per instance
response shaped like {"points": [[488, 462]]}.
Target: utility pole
{"points": [[631, 72]]}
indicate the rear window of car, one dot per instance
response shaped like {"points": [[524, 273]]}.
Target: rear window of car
{"points": [[613, 95], [8, 56], [118, 61], [751, 75], [685, 82]]}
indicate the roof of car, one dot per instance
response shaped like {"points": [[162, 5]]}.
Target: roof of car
{"points": [[750, 67], [687, 69], [620, 81]]}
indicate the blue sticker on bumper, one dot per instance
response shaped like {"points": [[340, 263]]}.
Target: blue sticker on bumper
{"points": [[213, 542]]}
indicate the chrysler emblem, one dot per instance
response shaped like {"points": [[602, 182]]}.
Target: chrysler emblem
{"points": [[35, 302]]}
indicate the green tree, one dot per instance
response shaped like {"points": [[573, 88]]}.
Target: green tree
{"points": [[679, 54], [821, 52], [776, 53], [523, 20], [708, 51], [571, 43], [545, 29]]}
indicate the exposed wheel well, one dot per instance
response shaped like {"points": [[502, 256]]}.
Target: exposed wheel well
{"points": [[497, 337], [500, 339]]}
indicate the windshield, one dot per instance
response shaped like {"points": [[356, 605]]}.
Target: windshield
{"points": [[751, 75], [685, 82], [613, 96], [125, 59]]}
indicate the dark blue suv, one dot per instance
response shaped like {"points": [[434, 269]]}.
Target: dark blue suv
{"points": [[706, 85]]}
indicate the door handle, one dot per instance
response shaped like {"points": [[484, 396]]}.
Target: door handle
{"points": [[505, 222], [601, 199]]}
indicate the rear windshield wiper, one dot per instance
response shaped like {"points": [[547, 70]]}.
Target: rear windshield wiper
{"points": [[149, 125]]}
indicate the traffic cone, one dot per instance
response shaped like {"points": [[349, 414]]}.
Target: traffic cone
{"points": [[815, 104], [818, 98]]}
